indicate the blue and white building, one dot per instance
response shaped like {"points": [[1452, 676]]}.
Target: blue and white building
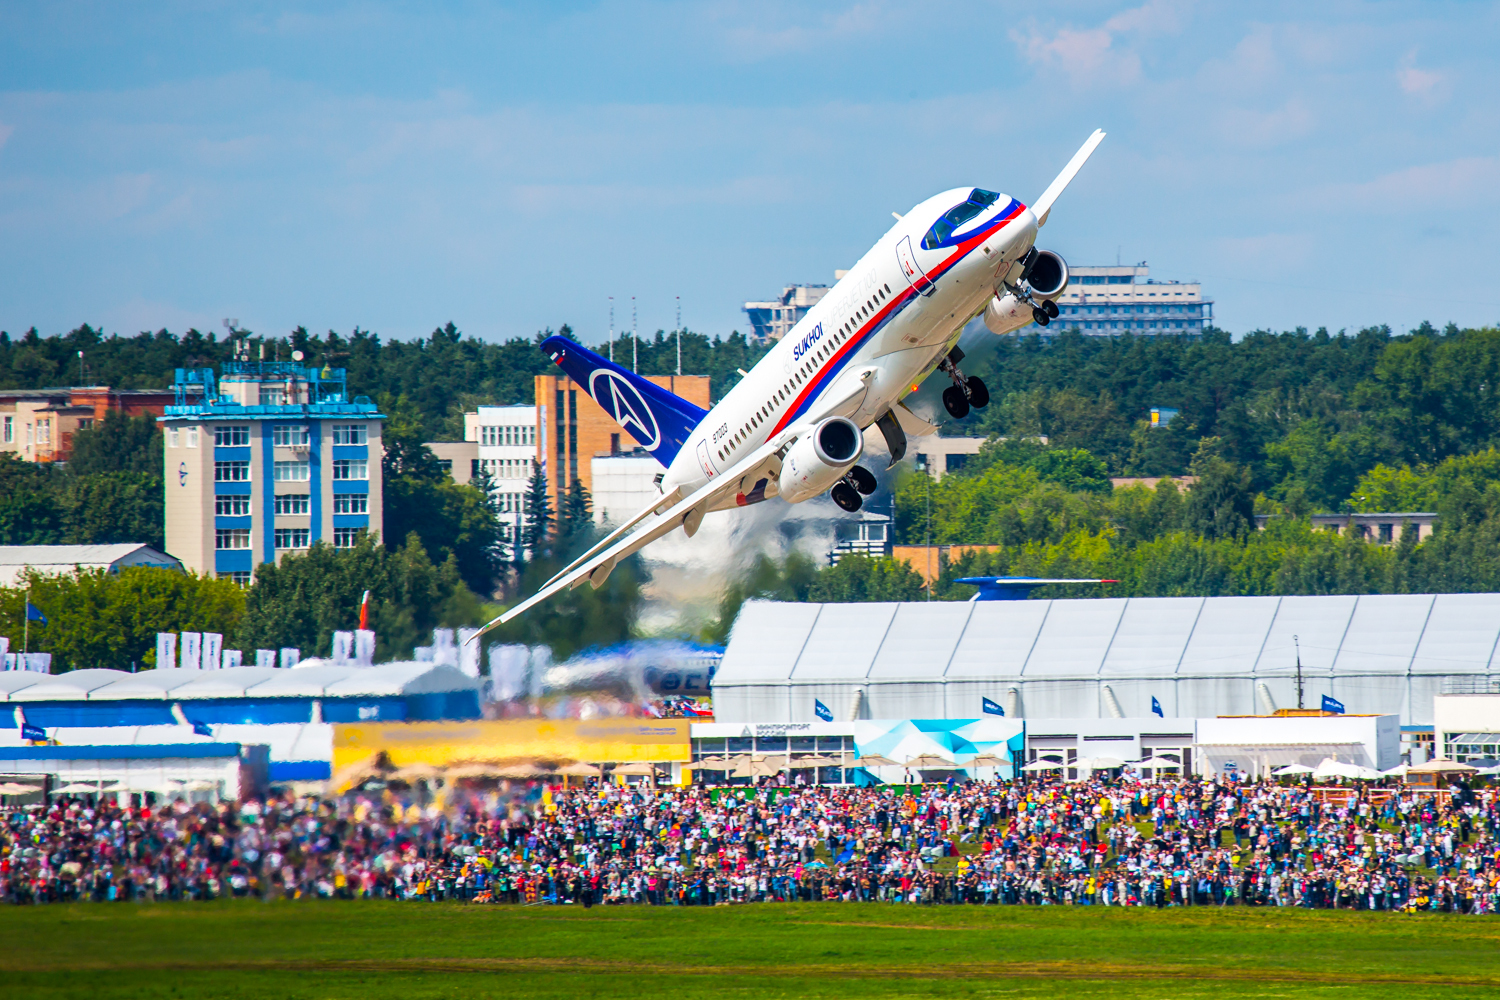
{"points": [[264, 460], [1108, 301]]}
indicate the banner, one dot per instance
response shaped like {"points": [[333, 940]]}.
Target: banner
{"points": [[992, 707], [446, 743], [1331, 705]]}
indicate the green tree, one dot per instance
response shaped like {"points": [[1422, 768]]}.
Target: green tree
{"points": [[857, 578], [119, 444], [110, 620], [538, 514], [1220, 504], [305, 598], [576, 516]]}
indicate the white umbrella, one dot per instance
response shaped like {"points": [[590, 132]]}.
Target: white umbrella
{"points": [[1157, 762], [1441, 764], [1399, 771], [1044, 765], [1330, 768], [1291, 769], [1098, 763]]}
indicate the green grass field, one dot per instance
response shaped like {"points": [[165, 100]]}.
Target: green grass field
{"points": [[370, 949]]}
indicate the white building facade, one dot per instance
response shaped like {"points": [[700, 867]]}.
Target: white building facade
{"points": [[1106, 301], [507, 437]]}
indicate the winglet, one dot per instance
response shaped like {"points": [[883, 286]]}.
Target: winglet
{"points": [[1043, 206]]}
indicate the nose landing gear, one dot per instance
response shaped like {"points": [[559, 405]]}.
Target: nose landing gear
{"points": [[964, 392]]}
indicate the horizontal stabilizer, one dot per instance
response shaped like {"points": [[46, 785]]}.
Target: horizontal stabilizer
{"points": [[658, 420]]}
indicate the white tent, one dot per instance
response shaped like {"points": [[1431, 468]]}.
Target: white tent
{"points": [[1199, 657]]}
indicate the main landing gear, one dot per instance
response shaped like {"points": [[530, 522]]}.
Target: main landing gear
{"points": [[1044, 313], [847, 491], [964, 392]]}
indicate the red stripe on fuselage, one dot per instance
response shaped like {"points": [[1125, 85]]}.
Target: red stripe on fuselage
{"points": [[962, 250]]}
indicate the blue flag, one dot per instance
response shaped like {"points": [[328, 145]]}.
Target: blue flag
{"points": [[35, 734], [992, 708], [201, 729], [34, 613], [1331, 705], [1156, 706], [821, 711]]}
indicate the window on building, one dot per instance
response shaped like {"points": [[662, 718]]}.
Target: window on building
{"points": [[241, 577], [192, 437], [172, 437], [291, 472], [293, 503], [232, 505], [232, 472], [489, 436], [292, 538], [289, 435], [350, 434], [231, 436], [346, 538], [232, 538], [351, 468], [272, 395], [446, 464], [44, 431], [10, 429], [351, 503], [85, 423]]}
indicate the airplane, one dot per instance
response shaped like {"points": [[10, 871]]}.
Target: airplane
{"points": [[794, 426]]}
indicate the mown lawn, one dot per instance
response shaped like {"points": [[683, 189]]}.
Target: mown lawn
{"points": [[372, 949]]}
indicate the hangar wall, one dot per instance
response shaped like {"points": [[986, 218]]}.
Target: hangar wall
{"points": [[1198, 656]]}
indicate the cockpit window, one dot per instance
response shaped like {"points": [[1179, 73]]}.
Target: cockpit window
{"points": [[955, 217]]}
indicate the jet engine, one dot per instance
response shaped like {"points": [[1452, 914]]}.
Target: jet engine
{"points": [[1006, 313], [820, 459], [1048, 275]]}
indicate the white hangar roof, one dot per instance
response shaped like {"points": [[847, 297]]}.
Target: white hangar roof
{"points": [[1209, 652]]}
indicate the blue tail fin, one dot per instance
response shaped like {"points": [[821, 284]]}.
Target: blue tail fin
{"points": [[656, 418]]}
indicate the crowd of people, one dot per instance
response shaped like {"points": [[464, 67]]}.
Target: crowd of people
{"points": [[1106, 843]]}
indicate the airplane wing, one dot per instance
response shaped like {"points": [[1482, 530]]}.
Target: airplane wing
{"points": [[1043, 206], [654, 522]]}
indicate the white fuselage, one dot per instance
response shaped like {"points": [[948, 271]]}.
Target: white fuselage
{"points": [[888, 323]]}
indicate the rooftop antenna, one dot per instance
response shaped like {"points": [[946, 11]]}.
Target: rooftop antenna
{"points": [[1299, 670], [611, 329], [679, 334], [635, 340]]}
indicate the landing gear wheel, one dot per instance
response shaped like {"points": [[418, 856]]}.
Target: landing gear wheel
{"points": [[846, 496], [955, 402], [862, 479], [1050, 307], [1039, 316], [979, 393]]}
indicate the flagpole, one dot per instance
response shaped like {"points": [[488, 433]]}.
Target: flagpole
{"points": [[26, 628]]}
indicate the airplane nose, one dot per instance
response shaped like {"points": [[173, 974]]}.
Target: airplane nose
{"points": [[1011, 241]]}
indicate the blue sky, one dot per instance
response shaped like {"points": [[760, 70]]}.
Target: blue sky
{"points": [[510, 167]]}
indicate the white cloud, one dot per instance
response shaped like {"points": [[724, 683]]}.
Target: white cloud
{"points": [[1264, 129], [1102, 55], [773, 30], [1428, 86], [1463, 183]]}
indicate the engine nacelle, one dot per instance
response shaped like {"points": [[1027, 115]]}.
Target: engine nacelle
{"points": [[820, 459], [1048, 275], [1006, 314]]}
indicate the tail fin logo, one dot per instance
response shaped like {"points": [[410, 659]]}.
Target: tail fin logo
{"points": [[624, 402]]}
